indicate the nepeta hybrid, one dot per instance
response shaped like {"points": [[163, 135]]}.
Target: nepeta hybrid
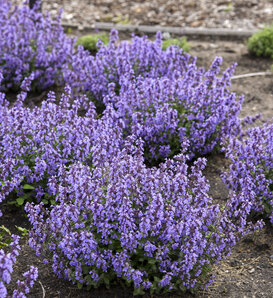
{"points": [[155, 228], [250, 176], [34, 143], [165, 112], [31, 42]]}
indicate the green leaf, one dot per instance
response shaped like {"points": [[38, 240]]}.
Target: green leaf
{"points": [[12, 203], [28, 187], [151, 261], [79, 285], [5, 229], [52, 202], [24, 231], [138, 291], [45, 201], [20, 201]]}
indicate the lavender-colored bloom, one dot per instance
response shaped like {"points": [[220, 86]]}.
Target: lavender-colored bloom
{"points": [[134, 221], [35, 143], [250, 176], [31, 42], [7, 260]]}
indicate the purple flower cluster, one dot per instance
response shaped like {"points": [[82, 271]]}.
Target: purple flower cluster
{"points": [[119, 59], [250, 176], [153, 227], [113, 216], [162, 96], [35, 143], [165, 112], [7, 260], [31, 42]]}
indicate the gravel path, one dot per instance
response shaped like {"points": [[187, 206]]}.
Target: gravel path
{"points": [[237, 14]]}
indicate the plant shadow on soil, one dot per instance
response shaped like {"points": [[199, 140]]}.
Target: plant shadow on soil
{"points": [[248, 272]]}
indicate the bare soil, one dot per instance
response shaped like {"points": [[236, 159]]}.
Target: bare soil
{"points": [[248, 272]]}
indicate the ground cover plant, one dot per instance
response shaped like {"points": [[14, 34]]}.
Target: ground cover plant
{"points": [[31, 43], [97, 210], [153, 227], [162, 96], [250, 176], [164, 112], [34, 143]]}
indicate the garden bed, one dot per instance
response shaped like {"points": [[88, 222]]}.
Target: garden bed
{"points": [[248, 272]]}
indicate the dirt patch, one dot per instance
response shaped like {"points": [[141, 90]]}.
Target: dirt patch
{"points": [[248, 272]]}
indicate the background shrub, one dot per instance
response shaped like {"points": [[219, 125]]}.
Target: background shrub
{"points": [[261, 44], [89, 42], [179, 42]]}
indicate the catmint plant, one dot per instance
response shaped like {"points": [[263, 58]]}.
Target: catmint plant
{"points": [[164, 112], [250, 176], [154, 228], [34, 143], [31, 42]]}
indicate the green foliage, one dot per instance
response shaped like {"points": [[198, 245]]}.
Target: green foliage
{"points": [[23, 231], [5, 236], [180, 42], [89, 42], [261, 43]]}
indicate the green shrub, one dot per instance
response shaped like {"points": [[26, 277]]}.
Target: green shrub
{"points": [[261, 43], [180, 42], [89, 42]]}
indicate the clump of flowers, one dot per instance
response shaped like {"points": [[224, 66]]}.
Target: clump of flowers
{"points": [[140, 56], [164, 112], [7, 260], [34, 143], [162, 96], [155, 228], [250, 176], [31, 42]]}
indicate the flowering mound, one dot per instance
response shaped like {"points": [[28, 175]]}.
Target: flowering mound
{"points": [[164, 112], [34, 143], [139, 57], [153, 227], [250, 176], [31, 42]]}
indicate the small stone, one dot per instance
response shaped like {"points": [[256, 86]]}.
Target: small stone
{"points": [[166, 35], [69, 16], [251, 270]]}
